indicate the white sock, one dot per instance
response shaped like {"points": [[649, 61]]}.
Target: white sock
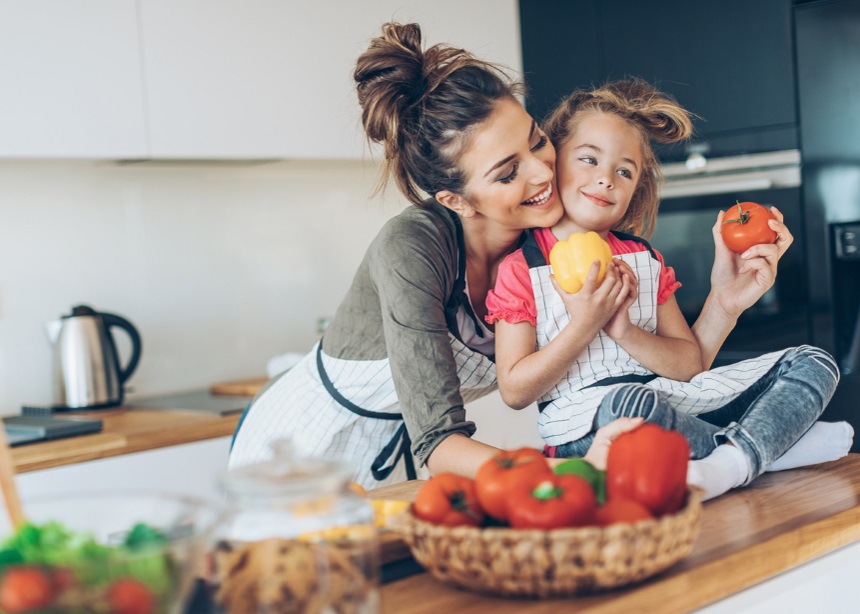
{"points": [[723, 469], [824, 441]]}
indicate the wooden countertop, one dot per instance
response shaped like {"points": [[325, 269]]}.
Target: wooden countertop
{"points": [[782, 520], [123, 432]]}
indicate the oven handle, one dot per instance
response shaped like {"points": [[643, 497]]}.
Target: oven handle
{"points": [[701, 187]]}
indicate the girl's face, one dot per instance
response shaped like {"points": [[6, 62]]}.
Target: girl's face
{"points": [[598, 170], [509, 165]]}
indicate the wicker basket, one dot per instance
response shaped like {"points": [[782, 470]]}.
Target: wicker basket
{"points": [[536, 563]]}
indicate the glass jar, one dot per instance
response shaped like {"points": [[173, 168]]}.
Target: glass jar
{"points": [[294, 538]]}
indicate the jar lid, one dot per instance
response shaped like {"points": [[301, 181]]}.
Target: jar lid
{"points": [[287, 475]]}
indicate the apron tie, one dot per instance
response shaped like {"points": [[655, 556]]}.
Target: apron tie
{"points": [[400, 436]]}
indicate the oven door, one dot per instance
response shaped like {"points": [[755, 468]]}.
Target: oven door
{"points": [[781, 317]]}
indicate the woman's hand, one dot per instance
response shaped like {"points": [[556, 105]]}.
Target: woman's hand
{"points": [[738, 281], [605, 435]]}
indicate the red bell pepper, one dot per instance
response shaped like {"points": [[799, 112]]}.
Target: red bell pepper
{"points": [[649, 465], [552, 501]]}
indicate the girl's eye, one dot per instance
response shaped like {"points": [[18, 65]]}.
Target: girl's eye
{"points": [[541, 143], [625, 173], [588, 159], [510, 176]]}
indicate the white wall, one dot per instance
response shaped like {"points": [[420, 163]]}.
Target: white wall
{"points": [[219, 266]]}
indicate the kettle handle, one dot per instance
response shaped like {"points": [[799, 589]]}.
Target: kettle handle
{"points": [[111, 321]]}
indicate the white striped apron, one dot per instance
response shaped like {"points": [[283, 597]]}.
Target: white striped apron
{"points": [[567, 410], [299, 406]]}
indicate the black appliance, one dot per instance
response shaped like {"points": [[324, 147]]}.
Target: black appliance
{"points": [[828, 79], [693, 194], [729, 61]]}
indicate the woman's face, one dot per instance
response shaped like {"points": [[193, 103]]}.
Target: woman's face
{"points": [[598, 170], [509, 165]]}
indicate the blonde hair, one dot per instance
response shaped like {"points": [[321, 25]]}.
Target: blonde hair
{"points": [[422, 106], [653, 114]]}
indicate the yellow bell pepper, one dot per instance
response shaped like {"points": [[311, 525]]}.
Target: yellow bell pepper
{"points": [[571, 259]]}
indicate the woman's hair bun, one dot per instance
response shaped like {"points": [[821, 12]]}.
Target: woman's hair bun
{"points": [[391, 78]]}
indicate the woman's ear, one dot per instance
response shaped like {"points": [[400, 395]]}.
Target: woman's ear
{"points": [[455, 203]]}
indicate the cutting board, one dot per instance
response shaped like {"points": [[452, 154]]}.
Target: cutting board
{"points": [[391, 545], [248, 387]]}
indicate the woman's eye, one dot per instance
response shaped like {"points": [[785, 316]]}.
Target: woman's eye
{"points": [[510, 176], [541, 143]]}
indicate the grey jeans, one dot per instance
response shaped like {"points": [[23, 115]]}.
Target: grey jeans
{"points": [[763, 421]]}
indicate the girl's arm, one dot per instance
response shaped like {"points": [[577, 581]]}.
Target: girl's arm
{"points": [[672, 352], [525, 373], [737, 282]]}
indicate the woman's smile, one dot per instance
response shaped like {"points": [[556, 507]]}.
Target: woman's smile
{"points": [[540, 199]]}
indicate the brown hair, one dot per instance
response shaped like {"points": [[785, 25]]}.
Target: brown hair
{"points": [[422, 106], [653, 114]]}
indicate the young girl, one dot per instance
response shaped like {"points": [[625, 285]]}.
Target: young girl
{"points": [[621, 347]]}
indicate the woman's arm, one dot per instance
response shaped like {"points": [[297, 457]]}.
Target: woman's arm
{"points": [[463, 456], [525, 373], [672, 352], [737, 282]]}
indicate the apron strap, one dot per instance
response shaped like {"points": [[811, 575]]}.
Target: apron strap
{"points": [[531, 251], [458, 293], [632, 378], [400, 436]]}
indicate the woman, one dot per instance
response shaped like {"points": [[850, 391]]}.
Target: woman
{"points": [[408, 348]]}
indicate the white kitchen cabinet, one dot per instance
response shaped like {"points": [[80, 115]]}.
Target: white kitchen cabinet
{"points": [[226, 79], [273, 79], [71, 78]]}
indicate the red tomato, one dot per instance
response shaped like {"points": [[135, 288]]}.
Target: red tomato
{"points": [[649, 465], [503, 473], [24, 589], [450, 500], [621, 510], [551, 502], [745, 225], [129, 596]]}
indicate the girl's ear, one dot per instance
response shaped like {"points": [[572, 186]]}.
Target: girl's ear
{"points": [[455, 203]]}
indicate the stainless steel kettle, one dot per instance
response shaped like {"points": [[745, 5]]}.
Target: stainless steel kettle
{"points": [[87, 373]]}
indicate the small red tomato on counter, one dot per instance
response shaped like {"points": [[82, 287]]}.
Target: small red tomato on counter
{"points": [[449, 500], [745, 225], [621, 510], [128, 596], [552, 502], [649, 465], [25, 589], [505, 472]]}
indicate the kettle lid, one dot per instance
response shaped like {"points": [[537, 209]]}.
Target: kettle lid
{"points": [[81, 310]]}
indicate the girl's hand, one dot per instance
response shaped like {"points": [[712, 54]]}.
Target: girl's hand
{"points": [[737, 282], [620, 323], [595, 303], [605, 435]]}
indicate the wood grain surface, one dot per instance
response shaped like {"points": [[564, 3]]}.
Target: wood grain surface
{"points": [[782, 520], [124, 431], [248, 387]]}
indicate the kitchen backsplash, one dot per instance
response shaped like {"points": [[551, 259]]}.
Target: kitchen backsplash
{"points": [[219, 266]]}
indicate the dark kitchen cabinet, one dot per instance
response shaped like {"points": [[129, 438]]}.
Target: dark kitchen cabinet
{"points": [[728, 61]]}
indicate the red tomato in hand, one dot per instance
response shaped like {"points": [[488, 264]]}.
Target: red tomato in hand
{"points": [[450, 500], [505, 472], [745, 225], [649, 465], [24, 589], [552, 502], [129, 596], [621, 510]]}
